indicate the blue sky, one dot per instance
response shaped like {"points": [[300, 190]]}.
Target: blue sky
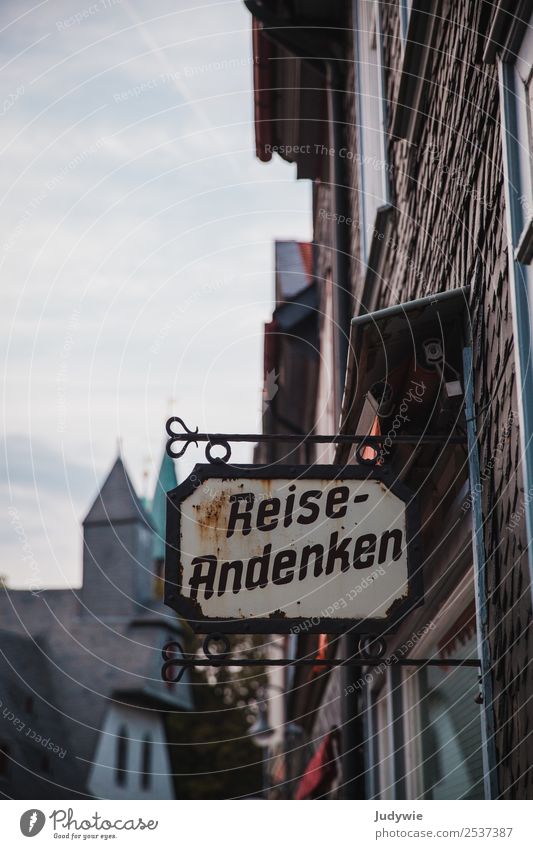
{"points": [[136, 248]]}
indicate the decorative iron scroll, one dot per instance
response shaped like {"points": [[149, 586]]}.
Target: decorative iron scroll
{"points": [[362, 441], [371, 652]]}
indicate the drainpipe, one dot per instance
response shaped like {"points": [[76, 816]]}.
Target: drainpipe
{"points": [[488, 750]]}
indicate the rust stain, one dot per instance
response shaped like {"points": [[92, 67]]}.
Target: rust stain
{"points": [[209, 518], [212, 515], [277, 614], [396, 603]]}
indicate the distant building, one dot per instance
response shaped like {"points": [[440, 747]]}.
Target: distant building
{"points": [[413, 122], [81, 667], [291, 352]]}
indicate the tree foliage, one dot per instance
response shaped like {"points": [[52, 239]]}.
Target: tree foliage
{"points": [[213, 756]]}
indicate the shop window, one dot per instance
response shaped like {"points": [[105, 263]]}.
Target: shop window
{"points": [[442, 756], [451, 730], [385, 744], [328, 393], [424, 738], [371, 120], [121, 756], [146, 763], [442, 716]]}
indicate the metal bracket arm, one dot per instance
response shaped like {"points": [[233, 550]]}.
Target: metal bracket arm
{"points": [[371, 652], [223, 440]]}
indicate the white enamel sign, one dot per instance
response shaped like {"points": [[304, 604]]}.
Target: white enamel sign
{"points": [[306, 549]]}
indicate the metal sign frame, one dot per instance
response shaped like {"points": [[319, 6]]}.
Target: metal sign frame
{"points": [[275, 624]]}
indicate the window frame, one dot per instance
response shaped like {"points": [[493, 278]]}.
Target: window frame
{"points": [[5, 760], [146, 761], [405, 15], [451, 611], [414, 77], [384, 708], [368, 228], [121, 756]]}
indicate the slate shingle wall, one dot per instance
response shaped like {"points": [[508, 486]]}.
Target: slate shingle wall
{"points": [[450, 219], [448, 224]]}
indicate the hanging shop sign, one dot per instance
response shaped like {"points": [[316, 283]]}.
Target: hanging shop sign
{"points": [[288, 549]]}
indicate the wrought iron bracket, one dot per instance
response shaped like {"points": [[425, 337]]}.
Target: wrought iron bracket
{"points": [[371, 652], [363, 441]]}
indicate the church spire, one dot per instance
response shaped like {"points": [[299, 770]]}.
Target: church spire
{"points": [[117, 500]]}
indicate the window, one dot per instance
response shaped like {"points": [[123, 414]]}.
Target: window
{"points": [[371, 745], [418, 24], [121, 761], [425, 722], [520, 81], [385, 743], [405, 12], [4, 759], [371, 120], [441, 711], [146, 763], [451, 730]]}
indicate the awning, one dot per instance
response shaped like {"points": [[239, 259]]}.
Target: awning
{"points": [[321, 770], [381, 340], [290, 42]]}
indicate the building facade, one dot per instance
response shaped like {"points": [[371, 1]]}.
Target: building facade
{"points": [[413, 122], [83, 704]]}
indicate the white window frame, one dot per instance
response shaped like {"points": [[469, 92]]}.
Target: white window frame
{"points": [[385, 746], [451, 611], [385, 742], [405, 14], [375, 119], [516, 80]]}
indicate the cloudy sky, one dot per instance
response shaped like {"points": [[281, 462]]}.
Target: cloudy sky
{"points": [[136, 246]]}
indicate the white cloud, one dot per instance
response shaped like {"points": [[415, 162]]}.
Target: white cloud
{"points": [[119, 217]]}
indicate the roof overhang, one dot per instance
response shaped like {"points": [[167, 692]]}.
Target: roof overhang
{"points": [[381, 339], [292, 42]]}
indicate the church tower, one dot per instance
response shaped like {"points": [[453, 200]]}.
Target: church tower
{"points": [[125, 624]]}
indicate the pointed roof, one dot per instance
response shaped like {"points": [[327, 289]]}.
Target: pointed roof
{"points": [[117, 500], [166, 480]]}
